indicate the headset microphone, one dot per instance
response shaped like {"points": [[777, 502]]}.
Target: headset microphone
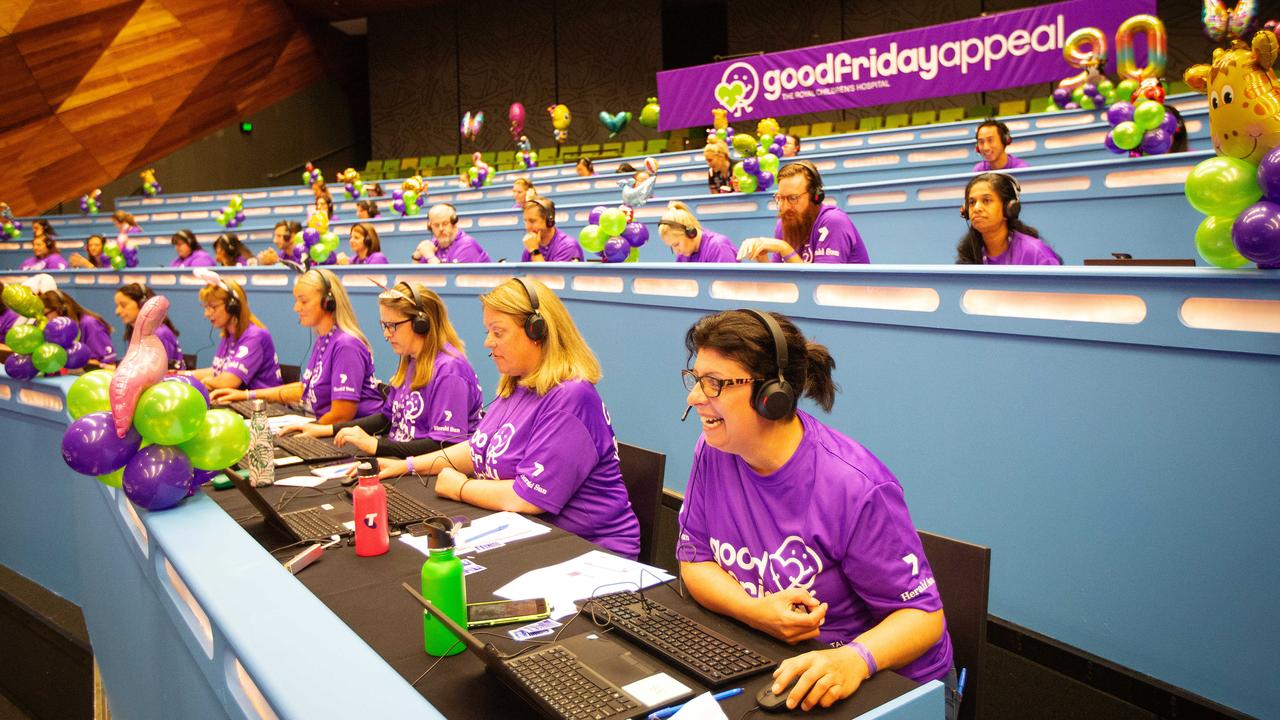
{"points": [[685, 416]]}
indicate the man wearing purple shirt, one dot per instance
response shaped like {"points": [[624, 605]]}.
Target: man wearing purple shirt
{"points": [[993, 139], [681, 231], [543, 241], [807, 231], [448, 244]]}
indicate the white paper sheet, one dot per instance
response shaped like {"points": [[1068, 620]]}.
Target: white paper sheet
{"points": [[593, 573], [485, 533], [703, 707], [656, 689]]}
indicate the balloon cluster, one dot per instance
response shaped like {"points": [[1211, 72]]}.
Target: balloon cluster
{"points": [[411, 197], [560, 120], [352, 183], [150, 187], [40, 346], [471, 125], [720, 129], [233, 214], [528, 156], [1144, 128], [1242, 205], [616, 122], [318, 241], [759, 161], [89, 203], [613, 232], [120, 258], [649, 113], [479, 174], [113, 415], [515, 115], [312, 175]]}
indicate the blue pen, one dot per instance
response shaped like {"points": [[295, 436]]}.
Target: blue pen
{"points": [[668, 712], [964, 671], [472, 540]]}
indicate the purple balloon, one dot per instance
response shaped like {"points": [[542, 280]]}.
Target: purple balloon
{"points": [[158, 477], [616, 249], [1120, 112], [1268, 176], [751, 165], [20, 367], [239, 217], [594, 218], [1061, 96], [351, 188], [90, 445], [310, 236], [204, 476], [636, 234], [1170, 123], [193, 383], [77, 356], [398, 206], [765, 180], [61, 331], [1110, 142], [1156, 142], [397, 194], [1089, 88], [1256, 232], [422, 200]]}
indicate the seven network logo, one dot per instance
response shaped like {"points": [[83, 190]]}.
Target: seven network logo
{"points": [[737, 88]]}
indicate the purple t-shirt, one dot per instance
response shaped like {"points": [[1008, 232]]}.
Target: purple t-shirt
{"points": [[52, 261], [197, 258], [831, 520], [171, 347], [713, 248], [252, 358], [446, 409], [833, 239], [562, 248], [94, 335], [463, 249], [294, 253], [8, 319], [340, 368], [1013, 162], [374, 258], [560, 451], [1023, 250]]}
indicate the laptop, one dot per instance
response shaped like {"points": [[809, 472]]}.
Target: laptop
{"points": [[317, 523], [580, 678]]}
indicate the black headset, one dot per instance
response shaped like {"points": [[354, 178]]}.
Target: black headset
{"points": [[1011, 208], [233, 302], [535, 326], [773, 399], [816, 193], [547, 207], [188, 237], [689, 232], [328, 303], [421, 324]]}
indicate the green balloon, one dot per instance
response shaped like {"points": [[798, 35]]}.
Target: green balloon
{"points": [[221, 441], [634, 255], [592, 239], [319, 252], [115, 479], [49, 358], [24, 339], [13, 295], [1222, 186], [89, 394], [1148, 115], [118, 262], [1087, 103], [1125, 89], [1077, 95], [1106, 87], [739, 172], [748, 184], [1126, 135], [169, 413], [769, 163], [1213, 242], [612, 222], [766, 140]]}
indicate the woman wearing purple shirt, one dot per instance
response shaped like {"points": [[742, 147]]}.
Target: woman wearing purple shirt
{"points": [[543, 241], [680, 230], [129, 300], [44, 249], [229, 251], [546, 446], [366, 248], [784, 512], [435, 396], [246, 357], [996, 236], [95, 333], [338, 382], [190, 254]]}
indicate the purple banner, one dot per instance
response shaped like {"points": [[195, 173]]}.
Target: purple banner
{"points": [[1022, 47]]}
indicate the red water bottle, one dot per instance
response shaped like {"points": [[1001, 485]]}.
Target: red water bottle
{"points": [[370, 501]]}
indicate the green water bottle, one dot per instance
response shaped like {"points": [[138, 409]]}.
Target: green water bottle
{"points": [[443, 585]]}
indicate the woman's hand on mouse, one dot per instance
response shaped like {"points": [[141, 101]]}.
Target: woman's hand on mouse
{"points": [[825, 677]]}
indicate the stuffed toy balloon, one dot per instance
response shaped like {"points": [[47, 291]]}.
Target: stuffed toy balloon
{"points": [[560, 120], [615, 123], [144, 364], [649, 113], [515, 115], [472, 124], [1244, 100], [1219, 24]]}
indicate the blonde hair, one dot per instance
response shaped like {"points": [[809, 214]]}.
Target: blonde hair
{"points": [[717, 148], [217, 293], [343, 315], [440, 331], [565, 354], [124, 217], [679, 214], [528, 184]]}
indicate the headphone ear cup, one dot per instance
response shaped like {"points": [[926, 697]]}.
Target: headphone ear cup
{"points": [[535, 326], [964, 211], [1012, 209], [421, 325], [330, 304], [773, 399], [690, 233]]}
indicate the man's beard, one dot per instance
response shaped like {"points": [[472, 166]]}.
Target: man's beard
{"points": [[797, 226]]}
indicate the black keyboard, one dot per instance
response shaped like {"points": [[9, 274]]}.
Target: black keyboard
{"points": [[573, 690], [404, 509], [698, 650], [309, 448], [245, 408], [313, 524]]}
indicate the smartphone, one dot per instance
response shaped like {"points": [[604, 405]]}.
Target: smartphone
{"points": [[501, 612]]}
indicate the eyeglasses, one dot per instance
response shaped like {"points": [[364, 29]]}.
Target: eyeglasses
{"points": [[212, 308], [711, 386], [787, 199], [390, 327]]}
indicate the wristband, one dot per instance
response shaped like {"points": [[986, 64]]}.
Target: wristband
{"points": [[788, 256], [409, 460], [250, 396], [867, 657], [463, 487], [535, 251]]}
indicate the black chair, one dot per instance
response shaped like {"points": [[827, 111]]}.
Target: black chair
{"points": [[642, 473], [290, 373], [963, 573]]}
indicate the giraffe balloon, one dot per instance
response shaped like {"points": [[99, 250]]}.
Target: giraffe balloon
{"points": [[1244, 97]]}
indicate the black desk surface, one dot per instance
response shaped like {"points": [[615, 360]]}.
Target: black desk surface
{"points": [[366, 594]]}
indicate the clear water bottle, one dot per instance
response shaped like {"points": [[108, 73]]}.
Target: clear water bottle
{"points": [[261, 456], [443, 585]]}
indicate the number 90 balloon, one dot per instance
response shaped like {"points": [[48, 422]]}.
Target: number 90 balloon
{"points": [[1089, 60], [1157, 46]]}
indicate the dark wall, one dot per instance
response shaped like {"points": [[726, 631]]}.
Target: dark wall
{"points": [[603, 56]]}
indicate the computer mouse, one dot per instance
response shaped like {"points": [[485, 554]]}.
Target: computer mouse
{"points": [[769, 702]]}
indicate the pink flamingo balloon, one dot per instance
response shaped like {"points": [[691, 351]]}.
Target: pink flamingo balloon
{"points": [[144, 364]]}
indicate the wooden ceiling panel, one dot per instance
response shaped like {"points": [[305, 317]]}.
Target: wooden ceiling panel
{"points": [[60, 53], [55, 153], [21, 102]]}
